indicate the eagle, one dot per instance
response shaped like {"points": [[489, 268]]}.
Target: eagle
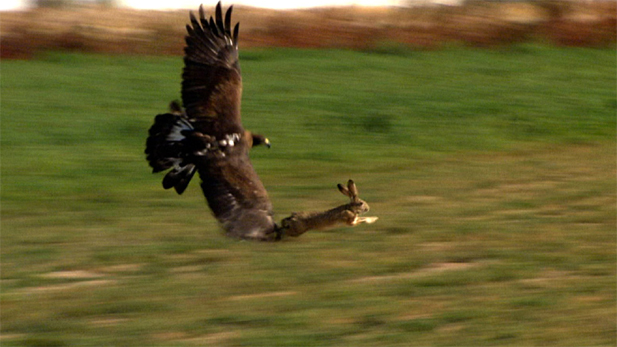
{"points": [[205, 135]]}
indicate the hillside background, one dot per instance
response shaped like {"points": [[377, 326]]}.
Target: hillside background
{"points": [[476, 23]]}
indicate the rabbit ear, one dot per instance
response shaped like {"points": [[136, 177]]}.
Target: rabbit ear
{"points": [[353, 190], [343, 190]]}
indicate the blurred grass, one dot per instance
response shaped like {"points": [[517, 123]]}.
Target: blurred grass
{"points": [[492, 172]]}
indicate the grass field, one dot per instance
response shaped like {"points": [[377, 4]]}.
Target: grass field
{"points": [[492, 172]]}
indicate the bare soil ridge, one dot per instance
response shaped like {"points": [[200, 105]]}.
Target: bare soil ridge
{"points": [[478, 24]]}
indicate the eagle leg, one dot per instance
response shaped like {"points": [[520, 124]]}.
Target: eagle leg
{"points": [[279, 232]]}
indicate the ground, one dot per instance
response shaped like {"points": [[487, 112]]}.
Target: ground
{"points": [[492, 173]]}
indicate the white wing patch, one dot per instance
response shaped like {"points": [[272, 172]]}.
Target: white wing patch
{"points": [[217, 147], [176, 132]]}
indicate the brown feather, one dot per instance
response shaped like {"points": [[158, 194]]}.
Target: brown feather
{"points": [[237, 197]]}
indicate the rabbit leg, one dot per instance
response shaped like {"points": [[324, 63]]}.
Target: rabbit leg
{"points": [[367, 220], [350, 218]]}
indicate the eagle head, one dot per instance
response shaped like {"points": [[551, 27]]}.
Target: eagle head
{"points": [[258, 139]]}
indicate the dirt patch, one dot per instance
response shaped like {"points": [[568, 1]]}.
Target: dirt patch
{"points": [[480, 24], [11, 336], [433, 269], [75, 274], [68, 286], [214, 339], [261, 295]]}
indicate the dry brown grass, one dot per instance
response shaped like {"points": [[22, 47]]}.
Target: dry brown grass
{"points": [[102, 29]]}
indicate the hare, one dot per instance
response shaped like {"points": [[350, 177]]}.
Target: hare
{"points": [[300, 222]]}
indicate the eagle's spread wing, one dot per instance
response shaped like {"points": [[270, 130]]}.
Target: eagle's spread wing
{"points": [[211, 81], [211, 92]]}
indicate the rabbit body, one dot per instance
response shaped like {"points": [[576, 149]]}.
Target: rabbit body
{"points": [[300, 222]]}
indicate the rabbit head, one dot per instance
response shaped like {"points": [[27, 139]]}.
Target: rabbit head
{"points": [[358, 205]]}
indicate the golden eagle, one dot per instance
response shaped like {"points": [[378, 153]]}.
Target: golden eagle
{"points": [[206, 136]]}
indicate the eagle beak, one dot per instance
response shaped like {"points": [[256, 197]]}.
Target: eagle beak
{"points": [[267, 143]]}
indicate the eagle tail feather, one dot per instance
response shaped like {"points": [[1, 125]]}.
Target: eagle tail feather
{"points": [[167, 147], [179, 177]]}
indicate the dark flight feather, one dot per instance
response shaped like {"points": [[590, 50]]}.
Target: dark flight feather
{"points": [[228, 21], [235, 35]]}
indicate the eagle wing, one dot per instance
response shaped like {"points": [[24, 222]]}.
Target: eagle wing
{"points": [[211, 80], [211, 93]]}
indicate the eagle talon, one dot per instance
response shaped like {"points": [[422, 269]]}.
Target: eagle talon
{"points": [[279, 232]]}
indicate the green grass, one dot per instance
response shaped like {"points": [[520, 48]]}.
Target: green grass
{"points": [[492, 172]]}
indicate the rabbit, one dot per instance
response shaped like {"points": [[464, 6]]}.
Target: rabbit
{"points": [[300, 222]]}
